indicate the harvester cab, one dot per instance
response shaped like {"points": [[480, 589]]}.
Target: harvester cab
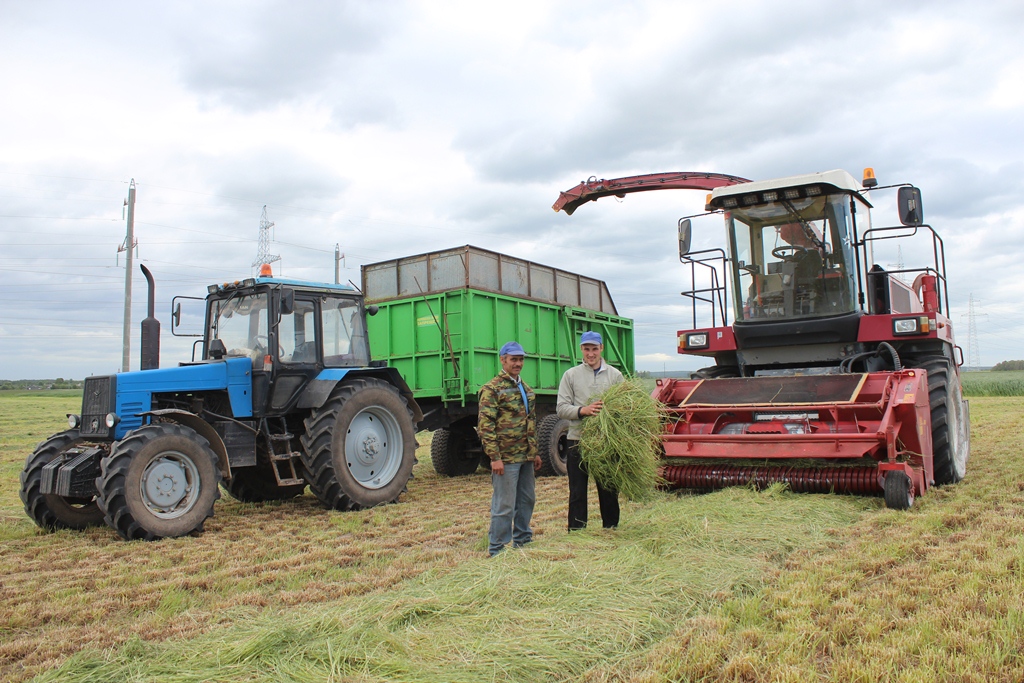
{"points": [[282, 395], [829, 358]]}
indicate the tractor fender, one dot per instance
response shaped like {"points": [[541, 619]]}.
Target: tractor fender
{"points": [[317, 391], [203, 428]]}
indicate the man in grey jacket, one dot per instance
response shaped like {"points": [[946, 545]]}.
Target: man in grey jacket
{"points": [[576, 400]]}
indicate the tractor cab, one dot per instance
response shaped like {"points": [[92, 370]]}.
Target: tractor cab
{"points": [[290, 330]]}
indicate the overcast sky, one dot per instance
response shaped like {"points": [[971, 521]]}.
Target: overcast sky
{"points": [[396, 128]]}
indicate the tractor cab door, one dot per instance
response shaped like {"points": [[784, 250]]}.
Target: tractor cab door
{"points": [[297, 358]]}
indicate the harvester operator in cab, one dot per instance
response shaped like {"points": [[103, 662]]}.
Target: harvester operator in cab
{"points": [[576, 392]]}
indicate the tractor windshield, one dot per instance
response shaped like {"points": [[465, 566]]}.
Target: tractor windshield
{"points": [[241, 322], [792, 258]]}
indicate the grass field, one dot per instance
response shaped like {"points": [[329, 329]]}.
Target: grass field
{"points": [[730, 586], [1003, 383]]}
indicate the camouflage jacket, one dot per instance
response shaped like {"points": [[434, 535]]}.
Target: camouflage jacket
{"points": [[506, 432]]}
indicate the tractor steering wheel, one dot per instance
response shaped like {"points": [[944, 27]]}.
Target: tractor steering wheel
{"points": [[263, 344], [788, 252]]}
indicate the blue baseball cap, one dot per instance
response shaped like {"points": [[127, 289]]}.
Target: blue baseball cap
{"points": [[591, 338], [512, 348]]}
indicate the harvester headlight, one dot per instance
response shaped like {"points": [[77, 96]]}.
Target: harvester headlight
{"points": [[697, 341], [770, 196], [791, 193], [813, 191], [111, 420], [74, 421], [916, 325], [750, 199], [730, 202]]}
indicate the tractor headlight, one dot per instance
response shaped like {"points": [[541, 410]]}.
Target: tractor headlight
{"points": [[111, 420], [698, 340], [74, 421]]}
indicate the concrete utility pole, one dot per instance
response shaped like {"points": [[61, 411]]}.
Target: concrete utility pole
{"points": [[338, 258], [129, 246]]}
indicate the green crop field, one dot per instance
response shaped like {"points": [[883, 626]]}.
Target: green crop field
{"points": [[1004, 383], [730, 586]]}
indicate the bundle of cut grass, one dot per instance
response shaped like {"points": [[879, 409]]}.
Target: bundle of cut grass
{"points": [[621, 445]]}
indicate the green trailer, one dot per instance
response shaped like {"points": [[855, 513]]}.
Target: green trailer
{"points": [[441, 318]]}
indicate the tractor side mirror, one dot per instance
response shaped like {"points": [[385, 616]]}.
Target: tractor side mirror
{"points": [[176, 316], [684, 237], [908, 200], [287, 301], [372, 309]]}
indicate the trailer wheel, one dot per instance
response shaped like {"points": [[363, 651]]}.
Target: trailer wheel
{"points": [[951, 437], [48, 510], [899, 491], [258, 484], [160, 481], [449, 454], [360, 446], [553, 446]]}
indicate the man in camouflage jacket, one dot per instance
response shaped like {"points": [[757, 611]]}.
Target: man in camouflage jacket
{"points": [[507, 426]]}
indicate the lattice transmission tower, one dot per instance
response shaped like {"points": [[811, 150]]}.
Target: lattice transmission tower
{"points": [[263, 255], [973, 351]]}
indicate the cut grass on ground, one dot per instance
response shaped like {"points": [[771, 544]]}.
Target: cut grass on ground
{"points": [[735, 585]]}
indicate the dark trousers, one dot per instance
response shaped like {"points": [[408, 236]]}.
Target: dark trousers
{"points": [[578, 479]]}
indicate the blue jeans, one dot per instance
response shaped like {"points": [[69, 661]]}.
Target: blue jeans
{"points": [[512, 506]]}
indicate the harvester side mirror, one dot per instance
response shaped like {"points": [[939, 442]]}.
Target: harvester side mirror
{"points": [[287, 301], [908, 199], [684, 237]]}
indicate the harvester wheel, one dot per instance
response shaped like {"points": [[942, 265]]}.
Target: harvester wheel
{"points": [[258, 484], [160, 481], [360, 446], [716, 372], [449, 454], [553, 446], [951, 437], [899, 491], [48, 510]]}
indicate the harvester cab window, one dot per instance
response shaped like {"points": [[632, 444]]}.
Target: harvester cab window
{"points": [[296, 333], [793, 259], [241, 322], [344, 333]]}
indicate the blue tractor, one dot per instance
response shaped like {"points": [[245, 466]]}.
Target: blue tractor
{"points": [[280, 394]]}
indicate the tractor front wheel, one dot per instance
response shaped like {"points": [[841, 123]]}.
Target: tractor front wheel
{"points": [[49, 510], [160, 481], [360, 446]]}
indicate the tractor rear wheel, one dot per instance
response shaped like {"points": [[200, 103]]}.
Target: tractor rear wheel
{"points": [[553, 446], [450, 455], [899, 491], [360, 446], [951, 437], [49, 510], [160, 481]]}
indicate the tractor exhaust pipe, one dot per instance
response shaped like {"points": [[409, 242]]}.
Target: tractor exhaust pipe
{"points": [[150, 328], [856, 480]]}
